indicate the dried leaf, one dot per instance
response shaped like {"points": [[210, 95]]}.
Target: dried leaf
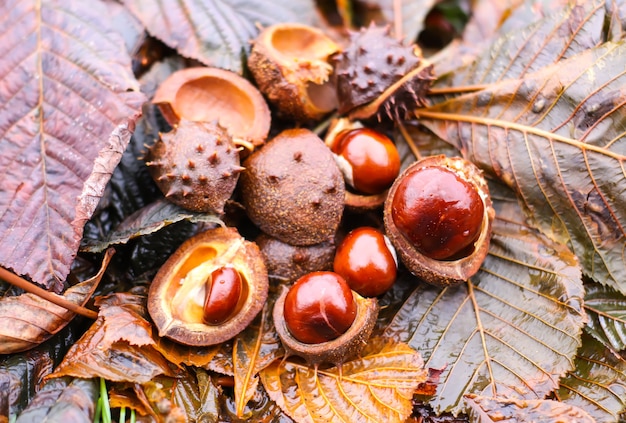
{"points": [[215, 32], [513, 329], [67, 115], [253, 350], [378, 387], [607, 316], [62, 400], [598, 384], [30, 320], [148, 220], [485, 410], [557, 138], [119, 346]]}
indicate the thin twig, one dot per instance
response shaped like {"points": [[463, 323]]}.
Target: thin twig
{"points": [[409, 140], [397, 19], [15, 280]]}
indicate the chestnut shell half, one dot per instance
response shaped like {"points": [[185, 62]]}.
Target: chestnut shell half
{"points": [[180, 319], [337, 350], [204, 94], [443, 272]]}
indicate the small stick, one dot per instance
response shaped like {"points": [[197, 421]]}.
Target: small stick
{"points": [[15, 280]]}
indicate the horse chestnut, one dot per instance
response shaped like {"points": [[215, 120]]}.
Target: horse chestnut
{"points": [[367, 261], [321, 320], [438, 211], [438, 216], [210, 289], [319, 307], [222, 295], [368, 159]]}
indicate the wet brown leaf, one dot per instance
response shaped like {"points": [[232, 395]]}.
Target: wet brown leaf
{"points": [[598, 384], [524, 49], [119, 346], [62, 400], [215, 32], [253, 350], [378, 387], [485, 410], [66, 116], [196, 393], [512, 329], [147, 220], [557, 138], [28, 320]]}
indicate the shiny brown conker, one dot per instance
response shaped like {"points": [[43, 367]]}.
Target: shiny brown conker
{"points": [[366, 260], [440, 213], [186, 300], [319, 307], [368, 159], [222, 295]]}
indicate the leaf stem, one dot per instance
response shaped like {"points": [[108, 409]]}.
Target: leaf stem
{"points": [[15, 280]]}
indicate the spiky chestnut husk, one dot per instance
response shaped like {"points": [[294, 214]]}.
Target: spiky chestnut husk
{"points": [[196, 166], [336, 351], [445, 272], [293, 190], [378, 71], [290, 65]]}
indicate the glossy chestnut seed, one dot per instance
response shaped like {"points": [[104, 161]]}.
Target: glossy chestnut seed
{"points": [[366, 260], [319, 307], [222, 295], [440, 213], [368, 159]]}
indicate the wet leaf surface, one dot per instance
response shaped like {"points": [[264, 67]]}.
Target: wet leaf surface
{"points": [[556, 137], [558, 36], [147, 220], [485, 410], [198, 395], [62, 400], [598, 385], [511, 330], [253, 350], [377, 387], [28, 320], [119, 346], [215, 32], [607, 316], [67, 116]]}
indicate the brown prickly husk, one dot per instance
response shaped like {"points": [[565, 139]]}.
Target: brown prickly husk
{"points": [[371, 63], [293, 190], [196, 166]]}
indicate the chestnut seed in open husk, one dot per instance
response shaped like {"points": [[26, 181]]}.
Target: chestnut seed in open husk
{"points": [[184, 305], [289, 62], [292, 188], [438, 216], [322, 321]]}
